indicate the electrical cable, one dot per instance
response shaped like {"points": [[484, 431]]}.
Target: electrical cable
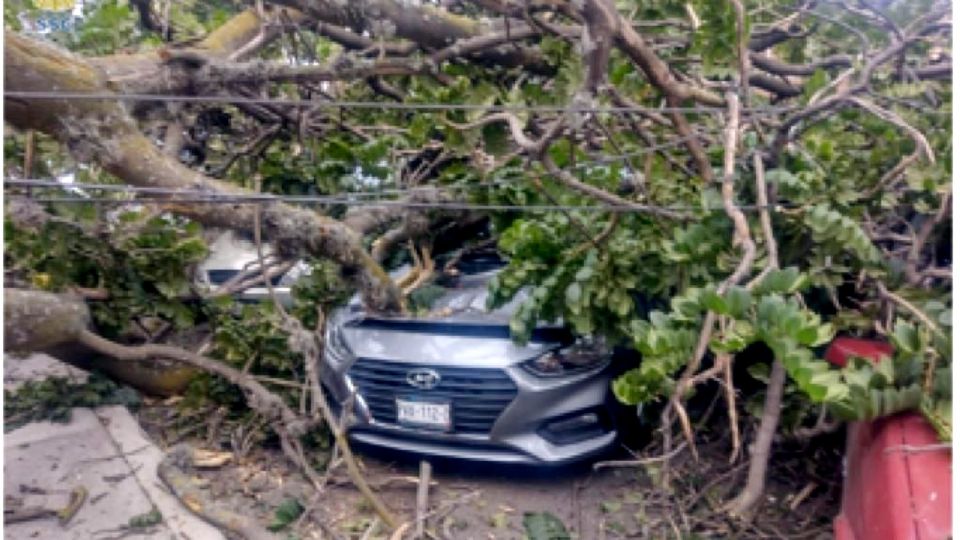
{"points": [[378, 105], [194, 196]]}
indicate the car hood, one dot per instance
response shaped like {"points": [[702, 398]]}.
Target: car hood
{"points": [[463, 302], [458, 330]]}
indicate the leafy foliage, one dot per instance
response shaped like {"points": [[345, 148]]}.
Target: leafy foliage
{"points": [[53, 399], [141, 261], [145, 520]]}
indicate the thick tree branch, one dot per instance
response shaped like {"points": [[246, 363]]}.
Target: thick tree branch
{"points": [[777, 67], [633, 44], [358, 42], [781, 88], [938, 71], [166, 69], [105, 132], [220, 73], [37, 320], [760, 449], [600, 25], [426, 25], [913, 274]]}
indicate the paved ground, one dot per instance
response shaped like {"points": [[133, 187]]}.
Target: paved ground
{"points": [[36, 367], [105, 451], [102, 450]]}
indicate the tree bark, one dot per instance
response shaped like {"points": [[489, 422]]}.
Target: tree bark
{"points": [[104, 132], [426, 25], [35, 320], [760, 450], [158, 70]]}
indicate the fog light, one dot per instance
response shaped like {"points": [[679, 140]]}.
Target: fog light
{"points": [[575, 428], [577, 422]]}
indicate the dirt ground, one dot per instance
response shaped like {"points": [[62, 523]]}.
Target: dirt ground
{"points": [[476, 501]]}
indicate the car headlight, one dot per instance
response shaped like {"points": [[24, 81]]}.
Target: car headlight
{"points": [[585, 354], [335, 349]]}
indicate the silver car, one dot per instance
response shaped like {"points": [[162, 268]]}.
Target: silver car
{"points": [[455, 385], [234, 261]]}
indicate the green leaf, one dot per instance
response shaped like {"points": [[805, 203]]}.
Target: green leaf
{"points": [[573, 293], [825, 334], [807, 335], [518, 329], [770, 311], [544, 526], [905, 337], [760, 371], [658, 319], [610, 507], [145, 520], [686, 308], [885, 370], [818, 80], [784, 281], [627, 387], [714, 302], [738, 300], [285, 514], [499, 520]]}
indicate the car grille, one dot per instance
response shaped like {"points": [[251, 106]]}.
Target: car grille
{"points": [[477, 395]]}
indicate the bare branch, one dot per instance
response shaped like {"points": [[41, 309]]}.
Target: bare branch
{"points": [[893, 118], [603, 195], [770, 241], [776, 67], [633, 44]]}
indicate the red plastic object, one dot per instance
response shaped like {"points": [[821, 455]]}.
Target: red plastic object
{"points": [[893, 488], [842, 348]]}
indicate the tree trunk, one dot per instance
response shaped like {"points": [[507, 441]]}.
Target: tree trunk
{"points": [[760, 450], [35, 320]]}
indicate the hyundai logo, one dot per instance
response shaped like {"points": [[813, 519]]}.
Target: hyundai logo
{"points": [[423, 378]]}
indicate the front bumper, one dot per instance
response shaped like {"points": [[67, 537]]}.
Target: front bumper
{"points": [[521, 430]]}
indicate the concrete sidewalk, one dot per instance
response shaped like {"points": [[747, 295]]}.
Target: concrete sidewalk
{"points": [[104, 451]]}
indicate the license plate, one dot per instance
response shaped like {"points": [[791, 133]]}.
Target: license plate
{"points": [[426, 414]]}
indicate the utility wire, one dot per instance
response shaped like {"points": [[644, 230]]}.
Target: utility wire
{"points": [[582, 164], [194, 196], [376, 105], [390, 105]]}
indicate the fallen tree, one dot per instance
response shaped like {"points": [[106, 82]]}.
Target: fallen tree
{"points": [[771, 173]]}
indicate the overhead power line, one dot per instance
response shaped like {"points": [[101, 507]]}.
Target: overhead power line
{"points": [[374, 105], [391, 105], [194, 196]]}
